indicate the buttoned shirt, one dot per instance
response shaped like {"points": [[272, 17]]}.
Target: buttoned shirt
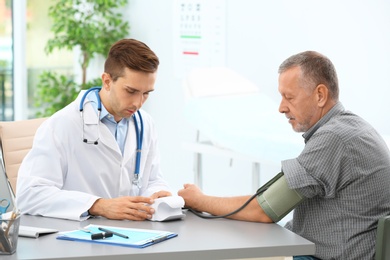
{"points": [[344, 172]]}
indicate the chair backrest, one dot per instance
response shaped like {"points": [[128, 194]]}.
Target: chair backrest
{"points": [[16, 138], [382, 248]]}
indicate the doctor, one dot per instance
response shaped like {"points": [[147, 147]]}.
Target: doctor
{"points": [[83, 165]]}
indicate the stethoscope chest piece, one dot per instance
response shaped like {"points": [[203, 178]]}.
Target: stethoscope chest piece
{"points": [[136, 181]]}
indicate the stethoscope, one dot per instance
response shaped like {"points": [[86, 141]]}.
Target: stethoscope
{"points": [[139, 133]]}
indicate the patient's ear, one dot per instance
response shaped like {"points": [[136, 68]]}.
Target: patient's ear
{"points": [[322, 95]]}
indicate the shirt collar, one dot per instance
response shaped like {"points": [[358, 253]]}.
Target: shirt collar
{"points": [[104, 113], [336, 109]]}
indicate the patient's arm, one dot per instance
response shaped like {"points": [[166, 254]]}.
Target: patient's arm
{"points": [[195, 199]]}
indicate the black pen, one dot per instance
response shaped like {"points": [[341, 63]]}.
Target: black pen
{"points": [[113, 232]]}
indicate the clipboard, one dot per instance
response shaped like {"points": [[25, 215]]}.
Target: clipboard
{"points": [[138, 238]]}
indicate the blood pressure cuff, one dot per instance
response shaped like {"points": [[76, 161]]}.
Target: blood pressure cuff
{"points": [[277, 199]]}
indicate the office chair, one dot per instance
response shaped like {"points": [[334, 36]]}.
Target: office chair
{"points": [[382, 248], [16, 139]]}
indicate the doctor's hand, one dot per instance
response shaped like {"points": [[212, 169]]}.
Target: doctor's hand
{"points": [[192, 196], [160, 194], [127, 207]]}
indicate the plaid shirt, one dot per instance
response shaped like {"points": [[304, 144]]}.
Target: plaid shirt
{"points": [[344, 172]]}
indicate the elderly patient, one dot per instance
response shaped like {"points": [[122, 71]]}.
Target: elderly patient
{"points": [[341, 179]]}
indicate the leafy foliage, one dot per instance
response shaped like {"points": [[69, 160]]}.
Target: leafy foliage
{"points": [[57, 90], [91, 25]]}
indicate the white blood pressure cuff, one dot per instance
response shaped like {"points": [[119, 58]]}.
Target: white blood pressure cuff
{"points": [[277, 199]]}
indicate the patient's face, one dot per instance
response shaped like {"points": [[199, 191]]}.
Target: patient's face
{"points": [[298, 103]]}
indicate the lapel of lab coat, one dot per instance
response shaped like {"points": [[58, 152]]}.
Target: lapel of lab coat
{"points": [[92, 125], [106, 137], [95, 128]]}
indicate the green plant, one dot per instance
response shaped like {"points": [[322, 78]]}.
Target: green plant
{"points": [[92, 26], [58, 91]]}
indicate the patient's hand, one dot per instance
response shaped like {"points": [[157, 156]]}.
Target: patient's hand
{"points": [[192, 196]]}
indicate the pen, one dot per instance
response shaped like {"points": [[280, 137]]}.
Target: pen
{"points": [[102, 235], [113, 232], [4, 242], [159, 239]]}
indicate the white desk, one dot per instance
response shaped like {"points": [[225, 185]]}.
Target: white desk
{"points": [[198, 239]]}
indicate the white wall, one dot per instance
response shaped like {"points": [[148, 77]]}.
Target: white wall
{"points": [[354, 34], [151, 22]]}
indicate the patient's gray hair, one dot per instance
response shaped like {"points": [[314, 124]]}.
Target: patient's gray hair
{"points": [[316, 69]]}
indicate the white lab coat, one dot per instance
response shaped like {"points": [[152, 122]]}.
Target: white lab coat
{"points": [[62, 176]]}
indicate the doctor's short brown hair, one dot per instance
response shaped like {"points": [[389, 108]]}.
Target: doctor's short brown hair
{"points": [[132, 54]]}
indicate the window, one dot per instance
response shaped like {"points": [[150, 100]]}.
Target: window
{"points": [[28, 40], [37, 61], [6, 61]]}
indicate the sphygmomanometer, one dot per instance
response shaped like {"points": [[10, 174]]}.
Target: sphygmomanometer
{"points": [[274, 197]]}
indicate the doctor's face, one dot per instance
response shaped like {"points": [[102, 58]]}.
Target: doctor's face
{"points": [[299, 104], [123, 97]]}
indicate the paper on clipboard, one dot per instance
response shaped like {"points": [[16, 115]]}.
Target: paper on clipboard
{"points": [[138, 238]]}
